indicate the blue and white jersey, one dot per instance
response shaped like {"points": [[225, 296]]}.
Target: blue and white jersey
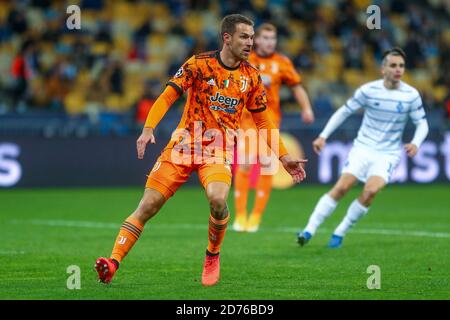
{"points": [[386, 112]]}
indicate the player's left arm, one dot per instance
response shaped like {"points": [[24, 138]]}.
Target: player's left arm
{"points": [[256, 104], [292, 78], [273, 139], [417, 115]]}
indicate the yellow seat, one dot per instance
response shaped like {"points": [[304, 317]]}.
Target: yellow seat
{"points": [[100, 48], [421, 79], [353, 77], [113, 102], [74, 103], [440, 92], [362, 4], [122, 45]]}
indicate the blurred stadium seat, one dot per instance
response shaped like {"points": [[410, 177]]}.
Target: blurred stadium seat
{"points": [[123, 44]]}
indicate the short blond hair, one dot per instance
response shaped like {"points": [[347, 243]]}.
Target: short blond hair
{"points": [[265, 27]]}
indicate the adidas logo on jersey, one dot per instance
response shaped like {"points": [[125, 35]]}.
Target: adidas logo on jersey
{"points": [[211, 82]]}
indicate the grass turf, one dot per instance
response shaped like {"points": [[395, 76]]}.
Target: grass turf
{"points": [[46, 230]]}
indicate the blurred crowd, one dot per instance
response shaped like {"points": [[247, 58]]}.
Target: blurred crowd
{"points": [[120, 59]]}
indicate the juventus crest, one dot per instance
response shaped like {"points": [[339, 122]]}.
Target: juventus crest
{"points": [[244, 81]]}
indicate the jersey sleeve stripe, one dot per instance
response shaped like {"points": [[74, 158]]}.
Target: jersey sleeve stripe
{"points": [[364, 95], [414, 99], [418, 119], [359, 102], [175, 86], [257, 110], [348, 107]]}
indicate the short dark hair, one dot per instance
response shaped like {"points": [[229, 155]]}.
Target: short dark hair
{"points": [[395, 51], [228, 24]]}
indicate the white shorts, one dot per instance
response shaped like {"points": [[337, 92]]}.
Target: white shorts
{"points": [[364, 163]]}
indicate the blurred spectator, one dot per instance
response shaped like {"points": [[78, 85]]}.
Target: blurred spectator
{"points": [[354, 51], [115, 73], [303, 60], [92, 4], [444, 63], [21, 73], [17, 21], [380, 42], [80, 72], [346, 19], [447, 106], [58, 82], [43, 4], [143, 106], [323, 106], [319, 40], [413, 51], [104, 33]]}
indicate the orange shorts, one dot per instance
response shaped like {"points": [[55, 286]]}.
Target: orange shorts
{"points": [[167, 176]]}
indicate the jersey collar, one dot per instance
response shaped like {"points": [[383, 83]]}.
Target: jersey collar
{"points": [[223, 64]]}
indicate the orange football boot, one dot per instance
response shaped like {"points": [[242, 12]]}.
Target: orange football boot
{"points": [[106, 268], [211, 270]]}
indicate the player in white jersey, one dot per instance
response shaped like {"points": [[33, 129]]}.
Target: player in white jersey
{"points": [[387, 104]]}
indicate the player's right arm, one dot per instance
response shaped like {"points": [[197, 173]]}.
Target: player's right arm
{"points": [[181, 81], [353, 104], [292, 78], [301, 96], [157, 112]]}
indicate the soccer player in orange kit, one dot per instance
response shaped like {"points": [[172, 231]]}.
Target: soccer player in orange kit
{"points": [[220, 85], [275, 69]]}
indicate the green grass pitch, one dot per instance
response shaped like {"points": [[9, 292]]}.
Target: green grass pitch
{"points": [[406, 234]]}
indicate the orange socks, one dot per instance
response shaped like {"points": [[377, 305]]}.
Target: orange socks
{"points": [[241, 186], [129, 233], [263, 189], [216, 232]]}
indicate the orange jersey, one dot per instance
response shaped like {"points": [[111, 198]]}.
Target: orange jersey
{"points": [[275, 70], [217, 95]]}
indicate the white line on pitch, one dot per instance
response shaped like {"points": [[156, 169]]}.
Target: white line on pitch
{"points": [[5, 252], [106, 225]]}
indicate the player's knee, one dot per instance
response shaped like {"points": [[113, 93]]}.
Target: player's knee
{"points": [[340, 191], [148, 208], [369, 193], [218, 207]]}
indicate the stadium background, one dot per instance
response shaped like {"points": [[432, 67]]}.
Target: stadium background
{"points": [[81, 96], [72, 103]]}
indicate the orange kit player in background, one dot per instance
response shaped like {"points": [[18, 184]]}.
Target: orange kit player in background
{"points": [[275, 69], [221, 84]]}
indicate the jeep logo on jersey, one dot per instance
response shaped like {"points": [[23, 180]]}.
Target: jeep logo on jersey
{"points": [[230, 103]]}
